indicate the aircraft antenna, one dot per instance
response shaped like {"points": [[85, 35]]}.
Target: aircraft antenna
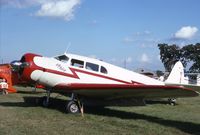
{"points": [[69, 44]]}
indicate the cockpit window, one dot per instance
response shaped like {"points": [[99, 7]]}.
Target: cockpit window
{"points": [[62, 58], [77, 63]]}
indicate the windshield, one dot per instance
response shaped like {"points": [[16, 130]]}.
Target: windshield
{"points": [[62, 58]]}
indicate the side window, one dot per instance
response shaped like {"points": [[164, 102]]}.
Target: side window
{"points": [[77, 63], [91, 66], [104, 70]]}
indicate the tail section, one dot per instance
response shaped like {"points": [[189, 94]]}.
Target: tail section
{"points": [[177, 74]]}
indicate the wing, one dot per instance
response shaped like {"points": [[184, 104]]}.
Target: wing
{"points": [[189, 86], [115, 91]]}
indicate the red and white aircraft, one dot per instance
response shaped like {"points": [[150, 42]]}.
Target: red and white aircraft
{"points": [[87, 78]]}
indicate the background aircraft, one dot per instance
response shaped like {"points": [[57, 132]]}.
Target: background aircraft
{"points": [[85, 78]]}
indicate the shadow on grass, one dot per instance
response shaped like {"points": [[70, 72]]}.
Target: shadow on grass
{"points": [[59, 104], [187, 127], [164, 102], [31, 92], [55, 103]]}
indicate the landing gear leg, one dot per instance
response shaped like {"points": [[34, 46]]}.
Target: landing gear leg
{"points": [[45, 100], [34, 89], [74, 105]]}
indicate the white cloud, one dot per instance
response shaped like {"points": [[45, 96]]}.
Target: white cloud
{"points": [[63, 9], [143, 39], [129, 60], [137, 36], [186, 32], [93, 22], [145, 58], [128, 39], [158, 57], [146, 32], [21, 3], [59, 9]]}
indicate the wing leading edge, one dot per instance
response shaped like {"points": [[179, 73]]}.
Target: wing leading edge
{"points": [[115, 91]]}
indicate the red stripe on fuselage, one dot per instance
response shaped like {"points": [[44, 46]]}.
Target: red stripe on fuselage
{"points": [[74, 75]]}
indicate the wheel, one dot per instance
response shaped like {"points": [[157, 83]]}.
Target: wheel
{"points": [[72, 107], [172, 101], [44, 102]]}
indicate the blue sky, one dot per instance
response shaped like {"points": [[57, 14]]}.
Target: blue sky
{"points": [[111, 30]]}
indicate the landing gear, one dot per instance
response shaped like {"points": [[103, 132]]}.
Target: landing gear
{"points": [[172, 101], [74, 105], [45, 99]]}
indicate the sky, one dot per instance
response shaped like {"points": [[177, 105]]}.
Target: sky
{"points": [[122, 32]]}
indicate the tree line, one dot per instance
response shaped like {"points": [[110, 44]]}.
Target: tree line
{"points": [[189, 55]]}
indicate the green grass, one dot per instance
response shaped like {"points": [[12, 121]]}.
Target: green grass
{"points": [[20, 114]]}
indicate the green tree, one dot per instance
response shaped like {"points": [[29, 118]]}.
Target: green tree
{"points": [[191, 53], [169, 55], [188, 55]]}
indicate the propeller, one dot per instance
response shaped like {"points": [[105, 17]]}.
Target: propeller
{"points": [[18, 66]]}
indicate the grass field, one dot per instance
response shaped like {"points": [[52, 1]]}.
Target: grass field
{"points": [[20, 114]]}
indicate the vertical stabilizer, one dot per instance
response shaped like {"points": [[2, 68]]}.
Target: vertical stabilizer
{"points": [[177, 74]]}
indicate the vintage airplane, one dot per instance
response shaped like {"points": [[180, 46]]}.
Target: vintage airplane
{"points": [[85, 78]]}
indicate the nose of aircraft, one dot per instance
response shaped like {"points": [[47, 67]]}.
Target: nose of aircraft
{"points": [[25, 66]]}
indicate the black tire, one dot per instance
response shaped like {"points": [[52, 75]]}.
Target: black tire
{"points": [[172, 101], [72, 107]]}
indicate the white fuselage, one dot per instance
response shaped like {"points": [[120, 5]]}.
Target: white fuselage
{"points": [[56, 71]]}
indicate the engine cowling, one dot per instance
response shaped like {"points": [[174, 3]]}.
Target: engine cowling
{"points": [[25, 67]]}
